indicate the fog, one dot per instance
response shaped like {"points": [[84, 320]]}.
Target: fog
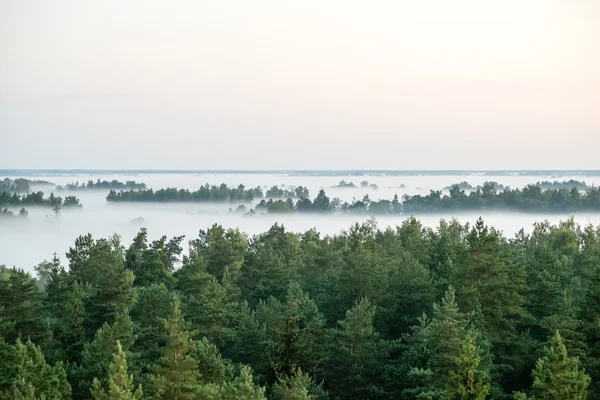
{"points": [[26, 242]]}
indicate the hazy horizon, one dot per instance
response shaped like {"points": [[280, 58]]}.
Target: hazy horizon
{"points": [[300, 85]]}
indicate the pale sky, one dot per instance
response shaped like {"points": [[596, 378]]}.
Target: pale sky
{"points": [[348, 84]]}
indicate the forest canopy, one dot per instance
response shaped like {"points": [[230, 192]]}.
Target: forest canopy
{"points": [[455, 312], [114, 184]]}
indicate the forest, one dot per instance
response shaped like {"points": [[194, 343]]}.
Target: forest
{"points": [[206, 193], [531, 198], [37, 199], [21, 185], [455, 312], [114, 184]]}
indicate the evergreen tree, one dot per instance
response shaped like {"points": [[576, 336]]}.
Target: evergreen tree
{"points": [[434, 348], [97, 355], [558, 376], [469, 382], [241, 388], [153, 303], [206, 304], [590, 319], [21, 303], [176, 375], [99, 266], [34, 378], [357, 358], [120, 384], [296, 387]]}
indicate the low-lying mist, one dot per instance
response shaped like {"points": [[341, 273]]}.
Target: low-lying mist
{"points": [[24, 242]]}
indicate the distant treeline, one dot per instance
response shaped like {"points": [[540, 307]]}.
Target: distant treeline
{"points": [[545, 185], [37, 199], [206, 193], [570, 184], [282, 193], [467, 186], [531, 198], [114, 184], [6, 213], [363, 184], [20, 185]]}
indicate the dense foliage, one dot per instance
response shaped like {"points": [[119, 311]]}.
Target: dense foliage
{"points": [[570, 184], [529, 199], [206, 193], [276, 192], [114, 184], [20, 185], [456, 312], [37, 199]]}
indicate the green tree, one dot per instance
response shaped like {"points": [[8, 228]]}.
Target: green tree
{"points": [[34, 378], [21, 301], [98, 354], [153, 303], [434, 348], [99, 266], [241, 388], [558, 376], [357, 356], [120, 383], [176, 375], [469, 382], [220, 248], [296, 387], [208, 307]]}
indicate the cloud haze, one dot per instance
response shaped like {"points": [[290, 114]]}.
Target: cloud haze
{"points": [[300, 84]]}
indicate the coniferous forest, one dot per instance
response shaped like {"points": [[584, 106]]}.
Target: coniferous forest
{"points": [[456, 312]]}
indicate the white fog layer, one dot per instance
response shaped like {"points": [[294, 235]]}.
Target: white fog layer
{"points": [[24, 242]]}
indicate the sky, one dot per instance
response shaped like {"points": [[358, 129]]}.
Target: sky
{"points": [[278, 84]]}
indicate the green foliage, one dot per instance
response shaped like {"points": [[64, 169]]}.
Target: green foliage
{"points": [[206, 193], [99, 266], [558, 376], [357, 356], [21, 303], [120, 383], [176, 374], [469, 382], [98, 354], [296, 387], [436, 353], [312, 316], [37, 199], [34, 378], [241, 388]]}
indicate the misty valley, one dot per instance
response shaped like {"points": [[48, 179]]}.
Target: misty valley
{"points": [[300, 285]]}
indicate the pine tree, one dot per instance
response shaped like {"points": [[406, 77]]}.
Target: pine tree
{"points": [[296, 387], [120, 384], [591, 329], [468, 381], [153, 303], [434, 347], [357, 356], [99, 267], [33, 376], [207, 306], [213, 368], [558, 376], [22, 304], [97, 355], [176, 375], [241, 388]]}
